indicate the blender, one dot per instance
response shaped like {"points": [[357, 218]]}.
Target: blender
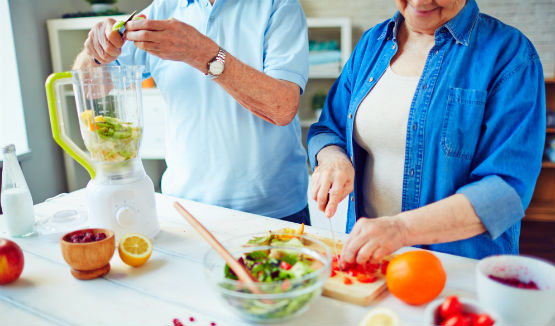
{"points": [[120, 195]]}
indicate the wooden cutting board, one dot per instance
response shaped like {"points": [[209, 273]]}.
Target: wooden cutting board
{"points": [[358, 293]]}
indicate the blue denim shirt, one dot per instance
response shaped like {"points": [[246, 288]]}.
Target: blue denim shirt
{"points": [[476, 124]]}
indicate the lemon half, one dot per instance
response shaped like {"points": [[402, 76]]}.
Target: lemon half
{"points": [[380, 316], [134, 249]]}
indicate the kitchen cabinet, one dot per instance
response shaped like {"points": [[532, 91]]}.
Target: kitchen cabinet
{"points": [[536, 235], [542, 206], [321, 77]]}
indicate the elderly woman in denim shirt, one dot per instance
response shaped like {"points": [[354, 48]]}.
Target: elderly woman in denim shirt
{"points": [[435, 130]]}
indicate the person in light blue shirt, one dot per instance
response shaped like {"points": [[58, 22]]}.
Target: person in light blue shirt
{"points": [[232, 73], [468, 95]]}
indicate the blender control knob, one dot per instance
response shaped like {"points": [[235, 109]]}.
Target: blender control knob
{"points": [[126, 216]]}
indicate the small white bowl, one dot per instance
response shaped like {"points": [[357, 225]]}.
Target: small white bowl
{"points": [[468, 305], [516, 306]]}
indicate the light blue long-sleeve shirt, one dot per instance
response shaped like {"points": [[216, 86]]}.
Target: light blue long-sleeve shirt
{"points": [[217, 151]]}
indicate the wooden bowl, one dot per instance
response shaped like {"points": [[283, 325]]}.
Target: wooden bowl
{"points": [[90, 259]]}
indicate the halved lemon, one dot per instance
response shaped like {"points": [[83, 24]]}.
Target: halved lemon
{"points": [[380, 316], [134, 249]]}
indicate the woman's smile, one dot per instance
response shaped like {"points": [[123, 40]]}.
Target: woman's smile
{"points": [[423, 12]]}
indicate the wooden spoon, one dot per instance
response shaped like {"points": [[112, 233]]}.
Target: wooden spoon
{"points": [[238, 269]]}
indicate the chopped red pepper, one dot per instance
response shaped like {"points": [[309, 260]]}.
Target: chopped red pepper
{"points": [[385, 263], [285, 265], [366, 278], [347, 281], [352, 272], [333, 273]]}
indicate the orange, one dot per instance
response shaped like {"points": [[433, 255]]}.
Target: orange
{"points": [[415, 277], [134, 249]]}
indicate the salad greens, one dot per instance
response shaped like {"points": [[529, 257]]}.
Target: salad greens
{"points": [[280, 271], [109, 139]]}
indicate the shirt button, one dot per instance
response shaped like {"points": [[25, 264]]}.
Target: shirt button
{"points": [[411, 172], [351, 158], [352, 198], [414, 126], [350, 116], [437, 51], [371, 79], [393, 47]]}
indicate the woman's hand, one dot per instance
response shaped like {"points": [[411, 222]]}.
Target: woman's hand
{"points": [[172, 40], [374, 238], [332, 180], [102, 43]]}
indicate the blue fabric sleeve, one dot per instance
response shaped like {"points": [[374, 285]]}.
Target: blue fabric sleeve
{"points": [[331, 128], [508, 159], [286, 44]]}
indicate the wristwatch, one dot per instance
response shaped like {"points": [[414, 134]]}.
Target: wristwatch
{"points": [[217, 65]]}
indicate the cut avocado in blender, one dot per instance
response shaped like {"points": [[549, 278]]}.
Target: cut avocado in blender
{"points": [[109, 139]]}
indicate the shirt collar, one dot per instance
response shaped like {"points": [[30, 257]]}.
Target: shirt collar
{"points": [[392, 27], [460, 26]]}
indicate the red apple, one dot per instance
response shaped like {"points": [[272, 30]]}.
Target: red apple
{"points": [[11, 261]]}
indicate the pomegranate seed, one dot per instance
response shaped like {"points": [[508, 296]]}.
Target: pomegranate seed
{"points": [[191, 318], [177, 322], [212, 324]]}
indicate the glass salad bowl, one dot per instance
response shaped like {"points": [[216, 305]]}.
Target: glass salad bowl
{"points": [[291, 271]]}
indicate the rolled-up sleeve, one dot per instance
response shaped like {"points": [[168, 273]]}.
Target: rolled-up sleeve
{"points": [[331, 127], [508, 158], [286, 44]]}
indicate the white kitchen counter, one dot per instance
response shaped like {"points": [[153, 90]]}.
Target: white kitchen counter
{"points": [[172, 283]]}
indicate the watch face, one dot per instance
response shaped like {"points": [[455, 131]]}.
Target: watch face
{"points": [[216, 68]]}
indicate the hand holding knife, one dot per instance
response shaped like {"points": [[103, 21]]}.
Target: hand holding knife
{"points": [[120, 26]]}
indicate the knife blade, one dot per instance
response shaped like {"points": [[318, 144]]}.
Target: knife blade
{"points": [[334, 245], [121, 30]]}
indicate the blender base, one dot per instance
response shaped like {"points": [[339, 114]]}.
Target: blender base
{"points": [[92, 274], [123, 207]]}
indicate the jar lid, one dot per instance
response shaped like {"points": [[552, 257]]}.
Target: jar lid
{"points": [[8, 149]]}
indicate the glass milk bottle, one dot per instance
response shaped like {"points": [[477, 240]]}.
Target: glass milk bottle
{"points": [[17, 205]]}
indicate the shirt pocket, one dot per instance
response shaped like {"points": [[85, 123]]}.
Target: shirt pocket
{"points": [[462, 122]]}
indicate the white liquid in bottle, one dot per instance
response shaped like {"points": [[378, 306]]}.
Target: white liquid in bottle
{"points": [[19, 217]]}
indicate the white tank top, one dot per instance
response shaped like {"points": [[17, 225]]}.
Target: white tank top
{"points": [[381, 130]]}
